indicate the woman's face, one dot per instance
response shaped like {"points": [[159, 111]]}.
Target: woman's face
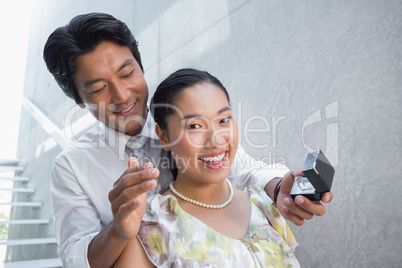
{"points": [[202, 135]]}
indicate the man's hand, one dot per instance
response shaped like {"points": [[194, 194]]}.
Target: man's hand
{"points": [[129, 197], [301, 208]]}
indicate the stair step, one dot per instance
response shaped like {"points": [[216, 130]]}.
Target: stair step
{"points": [[9, 162], [42, 263], [18, 190], [22, 204], [31, 241], [11, 168], [14, 178], [30, 221]]}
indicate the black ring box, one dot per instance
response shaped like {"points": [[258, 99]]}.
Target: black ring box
{"points": [[318, 173]]}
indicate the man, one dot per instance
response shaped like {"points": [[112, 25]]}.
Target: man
{"points": [[98, 202]]}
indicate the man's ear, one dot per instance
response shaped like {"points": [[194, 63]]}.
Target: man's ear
{"points": [[82, 106], [163, 138]]}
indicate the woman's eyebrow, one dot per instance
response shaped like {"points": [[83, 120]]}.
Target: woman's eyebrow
{"points": [[187, 116], [227, 108]]}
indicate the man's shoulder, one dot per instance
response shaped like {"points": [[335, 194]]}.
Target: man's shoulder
{"points": [[90, 142]]}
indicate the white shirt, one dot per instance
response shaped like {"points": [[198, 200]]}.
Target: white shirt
{"points": [[84, 173]]}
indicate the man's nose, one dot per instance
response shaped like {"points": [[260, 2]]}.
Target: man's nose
{"points": [[120, 93]]}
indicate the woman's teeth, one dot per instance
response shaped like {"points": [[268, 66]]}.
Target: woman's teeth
{"points": [[213, 159]]}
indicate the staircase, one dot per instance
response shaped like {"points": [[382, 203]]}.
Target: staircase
{"points": [[28, 239]]}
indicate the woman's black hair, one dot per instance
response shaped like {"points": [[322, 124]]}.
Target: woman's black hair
{"points": [[80, 36], [170, 88]]}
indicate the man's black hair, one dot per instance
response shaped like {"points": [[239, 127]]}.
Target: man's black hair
{"points": [[80, 36]]}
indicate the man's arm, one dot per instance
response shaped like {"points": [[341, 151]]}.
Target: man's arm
{"points": [[245, 171], [133, 253], [69, 204], [128, 200], [82, 241]]}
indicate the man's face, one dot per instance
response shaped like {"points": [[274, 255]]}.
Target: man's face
{"points": [[112, 86]]}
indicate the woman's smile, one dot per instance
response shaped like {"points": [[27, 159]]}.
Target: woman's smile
{"points": [[215, 161]]}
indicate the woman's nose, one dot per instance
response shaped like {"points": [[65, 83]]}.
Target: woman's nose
{"points": [[218, 137]]}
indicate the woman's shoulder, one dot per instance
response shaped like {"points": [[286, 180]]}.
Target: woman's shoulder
{"points": [[264, 206], [256, 192], [160, 207]]}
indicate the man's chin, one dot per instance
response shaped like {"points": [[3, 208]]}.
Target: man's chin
{"points": [[131, 129]]}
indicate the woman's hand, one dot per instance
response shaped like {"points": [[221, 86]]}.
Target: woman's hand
{"points": [[301, 208]]}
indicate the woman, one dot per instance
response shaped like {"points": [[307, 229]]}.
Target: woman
{"points": [[201, 220]]}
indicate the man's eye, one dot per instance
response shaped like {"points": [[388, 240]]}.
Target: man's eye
{"points": [[129, 74], [97, 91]]}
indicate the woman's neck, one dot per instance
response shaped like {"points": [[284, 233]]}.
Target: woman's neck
{"points": [[210, 193]]}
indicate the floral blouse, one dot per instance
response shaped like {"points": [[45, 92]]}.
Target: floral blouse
{"points": [[173, 238]]}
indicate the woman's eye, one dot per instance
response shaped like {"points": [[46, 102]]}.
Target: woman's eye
{"points": [[226, 120], [193, 126]]}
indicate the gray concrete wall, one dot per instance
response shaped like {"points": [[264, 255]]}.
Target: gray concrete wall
{"points": [[308, 74]]}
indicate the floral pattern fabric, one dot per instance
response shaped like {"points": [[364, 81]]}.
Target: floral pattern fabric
{"points": [[173, 238]]}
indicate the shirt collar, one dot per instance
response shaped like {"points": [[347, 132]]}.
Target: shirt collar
{"points": [[117, 141]]}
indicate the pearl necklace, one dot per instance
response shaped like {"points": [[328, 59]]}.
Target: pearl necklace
{"points": [[197, 203]]}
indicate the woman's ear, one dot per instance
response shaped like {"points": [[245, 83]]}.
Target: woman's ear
{"points": [[163, 138]]}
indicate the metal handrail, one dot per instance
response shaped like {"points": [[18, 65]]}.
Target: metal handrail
{"points": [[28, 221], [41, 263], [45, 122], [31, 241]]}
